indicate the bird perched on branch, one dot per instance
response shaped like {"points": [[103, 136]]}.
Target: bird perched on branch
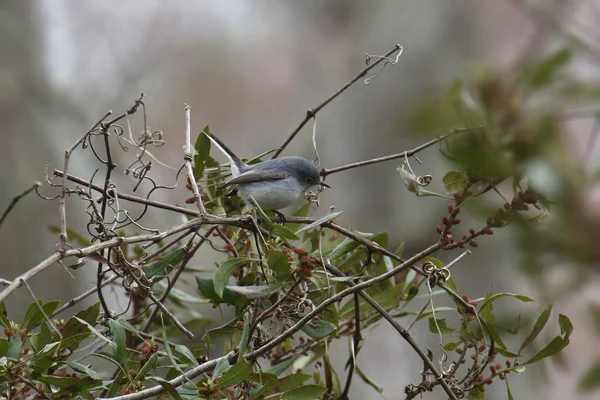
{"points": [[272, 184]]}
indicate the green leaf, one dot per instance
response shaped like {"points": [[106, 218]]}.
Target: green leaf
{"points": [[441, 323], [280, 368], [508, 392], [271, 384], [284, 232], [537, 327], [202, 147], [82, 369], [69, 383], [255, 292], [543, 72], [244, 339], [186, 353], [235, 375], [451, 346], [455, 181], [318, 329], [3, 347], [178, 296], [367, 379], [590, 379], [4, 316], [557, 344], [15, 345], [319, 222], [96, 333], [221, 367], [163, 266], [146, 367], [169, 388], [207, 289], [72, 235], [165, 339], [75, 327], [41, 339], [278, 262], [120, 346], [487, 303], [34, 316], [224, 271], [307, 392]]}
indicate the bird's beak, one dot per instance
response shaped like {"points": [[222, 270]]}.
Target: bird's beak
{"points": [[324, 184]]}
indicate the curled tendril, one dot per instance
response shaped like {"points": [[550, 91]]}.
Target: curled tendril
{"points": [[424, 180], [435, 274]]}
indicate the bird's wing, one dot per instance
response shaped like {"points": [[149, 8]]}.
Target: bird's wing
{"points": [[257, 176]]}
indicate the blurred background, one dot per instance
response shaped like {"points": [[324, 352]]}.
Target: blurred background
{"points": [[251, 70]]}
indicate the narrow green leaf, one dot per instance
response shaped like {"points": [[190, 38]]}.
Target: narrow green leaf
{"points": [[319, 222], [82, 369], [187, 353], [307, 392], [4, 316], [367, 379], [557, 344], [34, 316], [271, 384], [278, 262], [202, 147], [280, 368], [345, 247], [255, 292], [284, 232], [489, 300], [162, 267], [165, 339], [537, 327], [225, 270], [235, 375], [169, 388], [96, 332], [318, 329], [120, 346], [3, 347], [221, 367], [591, 379], [508, 392], [244, 340], [151, 363]]}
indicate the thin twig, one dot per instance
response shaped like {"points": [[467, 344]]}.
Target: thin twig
{"points": [[404, 154], [188, 160], [313, 111], [16, 199], [83, 296]]}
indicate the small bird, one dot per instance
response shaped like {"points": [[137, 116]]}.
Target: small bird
{"points": [[272, 184]]}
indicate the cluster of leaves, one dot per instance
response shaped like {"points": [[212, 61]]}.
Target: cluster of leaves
{"points": [[274, 275]]}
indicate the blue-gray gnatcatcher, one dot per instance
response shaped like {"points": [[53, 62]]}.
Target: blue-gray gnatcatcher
{"points": [[273, 184]]}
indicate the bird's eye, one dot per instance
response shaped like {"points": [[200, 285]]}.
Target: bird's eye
{"points": [[307, 180]]}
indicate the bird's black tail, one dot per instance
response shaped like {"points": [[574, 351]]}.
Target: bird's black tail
{"points": [[235, 161]]}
